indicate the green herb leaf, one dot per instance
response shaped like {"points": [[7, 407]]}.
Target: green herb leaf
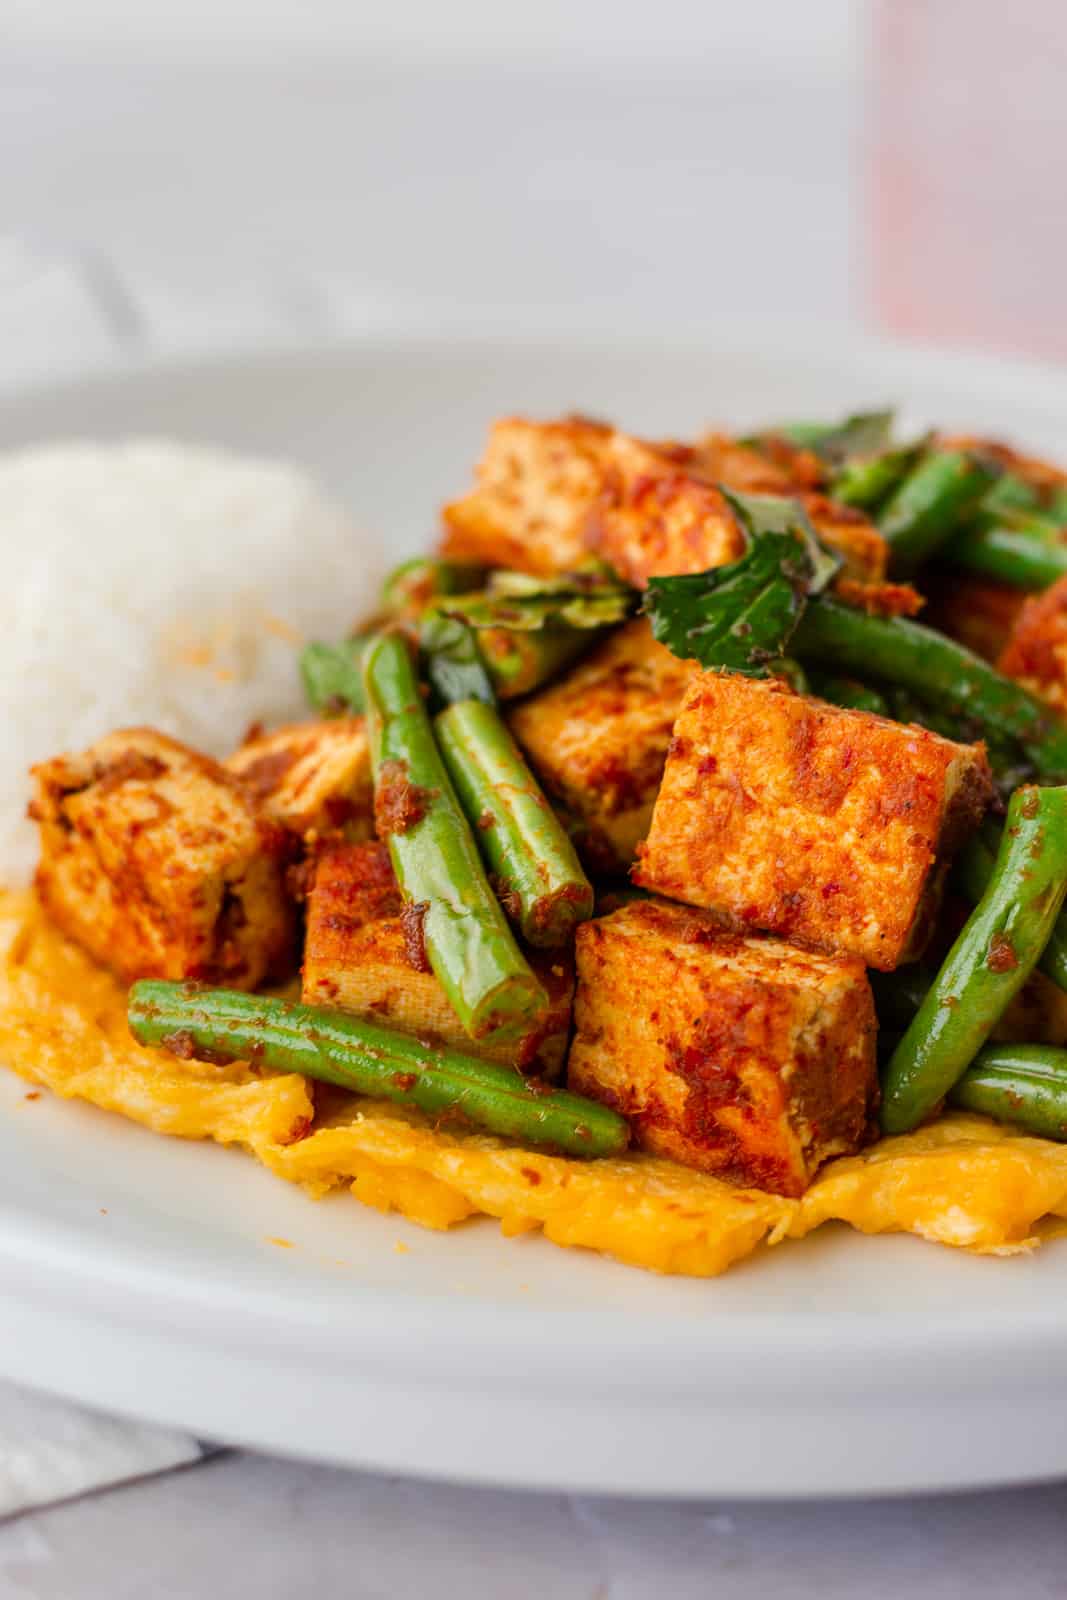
{"points": [[523, 603], [743, 615], [331, 675], [453, 662], [865, 433]]}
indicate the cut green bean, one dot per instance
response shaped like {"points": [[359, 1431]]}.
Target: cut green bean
{"points": [[940, 490], [997, 950], [334, 1047], [468, 942], [536, 869], [1024, 1085], [895, 650], [1025, 549], [899, 994], [332, 675], [867, 481], [521, 660], [972, 870], [1011, 493], [849, 693]]}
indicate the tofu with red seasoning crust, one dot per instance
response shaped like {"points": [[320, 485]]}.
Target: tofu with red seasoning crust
{"points": [[154, 859], [831, 827], [314, 778], [551, 493], [536, 486], [598, 739], [742, 1056], [1035, 654], [364, 954]]}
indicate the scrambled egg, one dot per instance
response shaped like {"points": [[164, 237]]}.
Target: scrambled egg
{"points": [[963, 1181]]}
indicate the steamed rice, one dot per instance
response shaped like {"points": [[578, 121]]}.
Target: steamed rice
{"points": [[158, 583]]}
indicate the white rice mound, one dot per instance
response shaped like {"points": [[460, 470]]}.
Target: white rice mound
{"points": [[151, 582]]}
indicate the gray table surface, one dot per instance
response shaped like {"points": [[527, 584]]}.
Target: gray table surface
{"points": [[241, 1525], [86, 273]]}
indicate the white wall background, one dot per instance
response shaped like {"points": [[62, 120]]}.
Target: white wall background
{"points": [[818, 35], [674, 166]]}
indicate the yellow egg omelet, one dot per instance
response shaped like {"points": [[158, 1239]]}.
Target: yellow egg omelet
{"points": [[962, 1181]]}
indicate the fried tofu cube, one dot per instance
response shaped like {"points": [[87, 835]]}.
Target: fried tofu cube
{"points": [[549, 494], [742, 1056], [598, 740], [1035, 654], [537, 484], [313, 778], [154, 859], [364, 954], [827, 826], [658, 515]]}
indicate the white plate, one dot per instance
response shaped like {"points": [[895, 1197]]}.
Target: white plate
{"points": [[138, 1273]]}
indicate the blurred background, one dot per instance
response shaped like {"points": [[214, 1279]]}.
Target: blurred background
{"points": [[206, 171]]}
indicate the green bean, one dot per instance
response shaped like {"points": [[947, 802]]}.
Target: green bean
{"points": [[972, 870], [1021, 1084], [849, 693], [1011, 493], [521, 660], [1025, 549], [997, 950], [895, 650], [468, 942], [866, 481], [939, 491], [525, 845], [899, 994], [334, 1047]]}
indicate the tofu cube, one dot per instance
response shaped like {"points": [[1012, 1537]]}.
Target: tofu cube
{"points": [[155, 861], [831, 827], [658, 515], [1035, 654], [537, 484], [313, 778], [745, 1057], [550, 493], [598, 740], [364, 954]]}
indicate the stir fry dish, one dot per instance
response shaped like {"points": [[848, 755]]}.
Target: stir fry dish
{"points": [[675, 861]]}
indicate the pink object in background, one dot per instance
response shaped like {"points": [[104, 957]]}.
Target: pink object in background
{"points": [[967, 221]]}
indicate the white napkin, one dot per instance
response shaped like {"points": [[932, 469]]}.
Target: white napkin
{"points": [[51, 1451]]}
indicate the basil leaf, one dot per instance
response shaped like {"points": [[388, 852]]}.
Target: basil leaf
{"points": [[742, 616], [331, 675], [453, 662], [865, 433], [523, 603]]}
